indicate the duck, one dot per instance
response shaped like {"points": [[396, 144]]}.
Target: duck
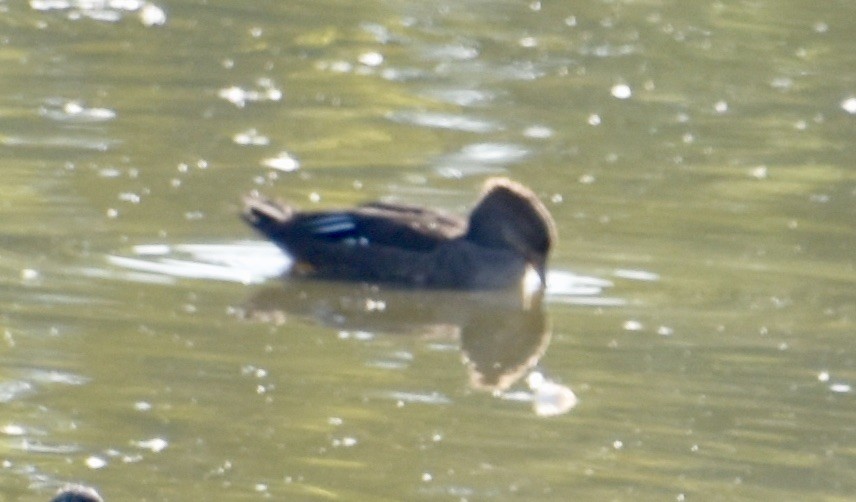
{"points": [[504, 242], [77, 493]]}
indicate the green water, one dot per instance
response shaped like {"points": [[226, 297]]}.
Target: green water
{"points": [[697, 158]]}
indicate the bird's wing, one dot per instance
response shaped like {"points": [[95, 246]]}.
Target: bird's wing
{"points": [[378, 223]]}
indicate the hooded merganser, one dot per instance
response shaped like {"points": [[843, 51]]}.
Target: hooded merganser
{"points": [[504, 242]]}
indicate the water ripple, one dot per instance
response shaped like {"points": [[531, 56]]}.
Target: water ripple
{"points": [[443, 121], [244, 262]]}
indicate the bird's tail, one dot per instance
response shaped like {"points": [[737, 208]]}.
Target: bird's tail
{"points": [[261, 212]]}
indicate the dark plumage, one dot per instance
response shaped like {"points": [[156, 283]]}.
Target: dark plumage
{"points": [[508, 235], [77, 493]]}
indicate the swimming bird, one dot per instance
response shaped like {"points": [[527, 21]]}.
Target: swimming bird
{"points": [[505, 240], [77, 493]]}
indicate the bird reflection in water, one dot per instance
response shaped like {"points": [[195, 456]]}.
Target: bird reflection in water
{"points": [[502, 335]]}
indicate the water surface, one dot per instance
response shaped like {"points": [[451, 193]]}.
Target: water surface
{"points": [[698, 160]]}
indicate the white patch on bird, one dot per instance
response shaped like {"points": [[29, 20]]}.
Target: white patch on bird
{"points": [[530, 287], [531, 281], [352, 241]]}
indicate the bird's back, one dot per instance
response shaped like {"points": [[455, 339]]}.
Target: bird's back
{"points": [[376, 241]]}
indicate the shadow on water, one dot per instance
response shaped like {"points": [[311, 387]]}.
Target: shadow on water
{"points": [[500, 340], [501, 335]]}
